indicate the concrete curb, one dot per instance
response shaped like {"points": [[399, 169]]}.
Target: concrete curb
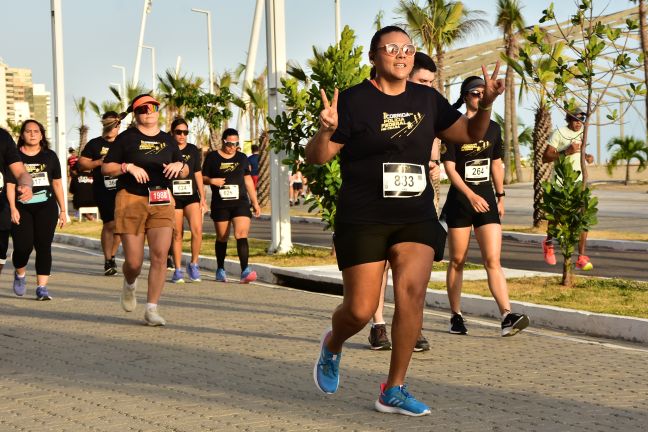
{"points": [[593, 324], [617, 245]]}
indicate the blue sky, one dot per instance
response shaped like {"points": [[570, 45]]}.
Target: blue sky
{"points": [[98, 34]]}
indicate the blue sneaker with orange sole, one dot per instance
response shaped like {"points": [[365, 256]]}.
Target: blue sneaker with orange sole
{"points": [[248, 275], [397, 400]]}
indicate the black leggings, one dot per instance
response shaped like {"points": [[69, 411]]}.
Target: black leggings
{"points": [[4, 245], [35, 231]]}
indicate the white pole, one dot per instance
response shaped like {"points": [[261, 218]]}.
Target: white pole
{"points": [[337, 22], [138, 57], [276, 47], [122, 92], [241, 124], [153, 71], [209, 47], [59, 92], [177, 69]]}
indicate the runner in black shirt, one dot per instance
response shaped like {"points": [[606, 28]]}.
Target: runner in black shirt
{"points": [[227, 171], [146, 161], [473, 169], [104, 187], [35, 220], [10, 161], [189, 195], [383, 130]]}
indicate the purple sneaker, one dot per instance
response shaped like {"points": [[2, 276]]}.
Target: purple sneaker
{"points": [[19, 285]]}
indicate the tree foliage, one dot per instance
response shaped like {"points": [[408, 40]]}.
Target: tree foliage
{"points": [[337, 67], [570, 209]]}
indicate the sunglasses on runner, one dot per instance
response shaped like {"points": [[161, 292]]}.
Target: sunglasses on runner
{"points": [[476, 93], [231, 143], [393, 49], [147, 109], [181, 132]]}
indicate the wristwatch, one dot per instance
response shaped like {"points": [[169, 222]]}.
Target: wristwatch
{"points": [[499, 195]]}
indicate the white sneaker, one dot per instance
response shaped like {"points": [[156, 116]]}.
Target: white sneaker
{"points": [[153, 318], [128, 299]]}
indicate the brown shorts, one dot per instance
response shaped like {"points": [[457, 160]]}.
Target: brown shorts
{"points": [[134, 215]]}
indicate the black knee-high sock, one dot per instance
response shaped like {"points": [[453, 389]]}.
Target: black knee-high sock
{"points": [[221, 251], [243, 251]]}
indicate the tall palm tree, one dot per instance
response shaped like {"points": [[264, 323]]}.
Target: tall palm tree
{"points": [[80, 105], [439, 24], [257, 106], [105, 106], [525, 133], [510, 21], [627, 149], [378, 19], [171, 87]]}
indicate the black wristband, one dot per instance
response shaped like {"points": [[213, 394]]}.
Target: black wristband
{"points": [[436, 161], [499, 195]]}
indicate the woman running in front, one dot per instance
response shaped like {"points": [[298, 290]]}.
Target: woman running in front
{"points": [[189, 196], [474, 169], [34, 221], [146, 161], [227, 171], [384, 129]]}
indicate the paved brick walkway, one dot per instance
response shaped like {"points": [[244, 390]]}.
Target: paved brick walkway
{"points": [[239, 358]]}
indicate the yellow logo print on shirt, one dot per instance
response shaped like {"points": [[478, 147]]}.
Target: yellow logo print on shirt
{"points": [[152, 147], [475, 148], [34, 168], [228, 167], [104, 151], [403, 123]]}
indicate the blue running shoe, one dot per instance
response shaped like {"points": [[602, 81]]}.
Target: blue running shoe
{"points": [[19, 285], [397, 400], [42, 294], [326, 372], [193, 272], [221, 276], [178, 276], [248, 275]]}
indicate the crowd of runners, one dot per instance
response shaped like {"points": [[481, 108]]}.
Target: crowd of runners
{"points": [[392, 132]]}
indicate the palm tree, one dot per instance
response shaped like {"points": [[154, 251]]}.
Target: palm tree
{"points": [[525, 133], [263, 185], [257, 106], [80, 105], [13, 128], [510, 21], [378, 19], [626, 149], [105, 106], [439, 24], [172, 86]]}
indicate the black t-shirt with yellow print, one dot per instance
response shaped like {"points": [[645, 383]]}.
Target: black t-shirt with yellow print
{"points": [[378, 129], [233, 170], [473, 161], [43, 167], [147, 152], [192, 158]]}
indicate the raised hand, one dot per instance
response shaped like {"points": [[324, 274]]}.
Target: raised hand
{"points": [[494, 86], [329, 116]]}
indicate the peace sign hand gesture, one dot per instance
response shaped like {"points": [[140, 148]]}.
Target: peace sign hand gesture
{"points": [[494, 87], [329, 116]]}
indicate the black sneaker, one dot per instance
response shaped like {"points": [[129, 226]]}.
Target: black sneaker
{"points": [[110, 269], [457, 325], [514, 323], [422, 344], [170, 265], [113, 264], [378, 339]]}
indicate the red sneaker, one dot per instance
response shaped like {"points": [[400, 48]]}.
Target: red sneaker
{"points": [[583, 263], [548, 250]]}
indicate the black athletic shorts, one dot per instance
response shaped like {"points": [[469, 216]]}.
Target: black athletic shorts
{"points": [[458, 213], [298, 186], [222, 214], [364, 243], [184, 201], [105, 200]]}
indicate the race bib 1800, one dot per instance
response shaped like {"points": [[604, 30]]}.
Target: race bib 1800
{"points": [[403, 180], [477, 170], [229, 192]]}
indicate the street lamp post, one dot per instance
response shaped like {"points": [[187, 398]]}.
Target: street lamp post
{"points": [[148, 4], [241, 125], [337, 21], [124, 96], [209, 47], [153, 71], [276, 50]]}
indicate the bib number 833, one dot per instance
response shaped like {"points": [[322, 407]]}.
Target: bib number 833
{"points": [[404, 180]]}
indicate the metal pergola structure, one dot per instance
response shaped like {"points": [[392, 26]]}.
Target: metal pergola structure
{"points": [[463, 62]]}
